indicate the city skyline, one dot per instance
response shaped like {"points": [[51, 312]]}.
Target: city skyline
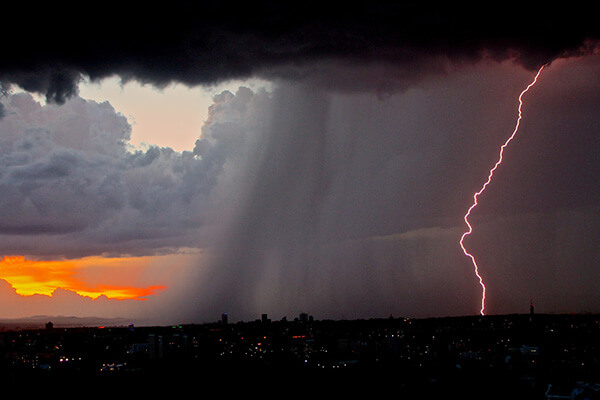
{"points": [[514, 356]]}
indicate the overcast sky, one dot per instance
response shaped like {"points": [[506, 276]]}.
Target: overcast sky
{"points": [[329, 157]]}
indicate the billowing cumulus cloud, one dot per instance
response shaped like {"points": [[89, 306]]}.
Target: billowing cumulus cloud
{"points": [[72, 186], [50, 47]]}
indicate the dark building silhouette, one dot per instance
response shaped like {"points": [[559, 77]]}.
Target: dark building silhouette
{"points": [[156, 349], [504, 356]]}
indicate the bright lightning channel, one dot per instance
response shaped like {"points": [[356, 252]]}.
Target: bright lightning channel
{"points": [[476, 195]]}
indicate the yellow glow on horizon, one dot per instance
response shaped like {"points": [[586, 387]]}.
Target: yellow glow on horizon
{"points": [[29, 277]]}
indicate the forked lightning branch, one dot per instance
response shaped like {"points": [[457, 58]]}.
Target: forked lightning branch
{"points": [[489, 179]]}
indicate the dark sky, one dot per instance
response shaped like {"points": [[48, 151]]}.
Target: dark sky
{"points": [[48, 46], [340, 192]]}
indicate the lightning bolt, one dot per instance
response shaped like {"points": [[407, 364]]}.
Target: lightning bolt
{"points": [[489, 179]]}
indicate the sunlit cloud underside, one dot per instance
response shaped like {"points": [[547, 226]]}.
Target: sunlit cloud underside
{"points": [[30, 277]]}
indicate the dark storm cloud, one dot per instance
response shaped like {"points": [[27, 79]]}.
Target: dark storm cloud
{"points": [[352, 205], [49, 47]]}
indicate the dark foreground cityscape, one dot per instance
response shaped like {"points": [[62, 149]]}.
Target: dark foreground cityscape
{"points": [[531, 356]]}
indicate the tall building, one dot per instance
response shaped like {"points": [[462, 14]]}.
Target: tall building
{"points": [[531, 307], [155, 346], [224, 318]]}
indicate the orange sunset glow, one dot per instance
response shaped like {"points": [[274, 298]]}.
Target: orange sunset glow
{"points": [[29, 277]]}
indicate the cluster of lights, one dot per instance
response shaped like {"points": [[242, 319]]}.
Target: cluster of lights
{"points": [[67, 359], [111, 367]]}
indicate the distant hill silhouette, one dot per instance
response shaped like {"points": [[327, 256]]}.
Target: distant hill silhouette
{"points": [[60, 321]]}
